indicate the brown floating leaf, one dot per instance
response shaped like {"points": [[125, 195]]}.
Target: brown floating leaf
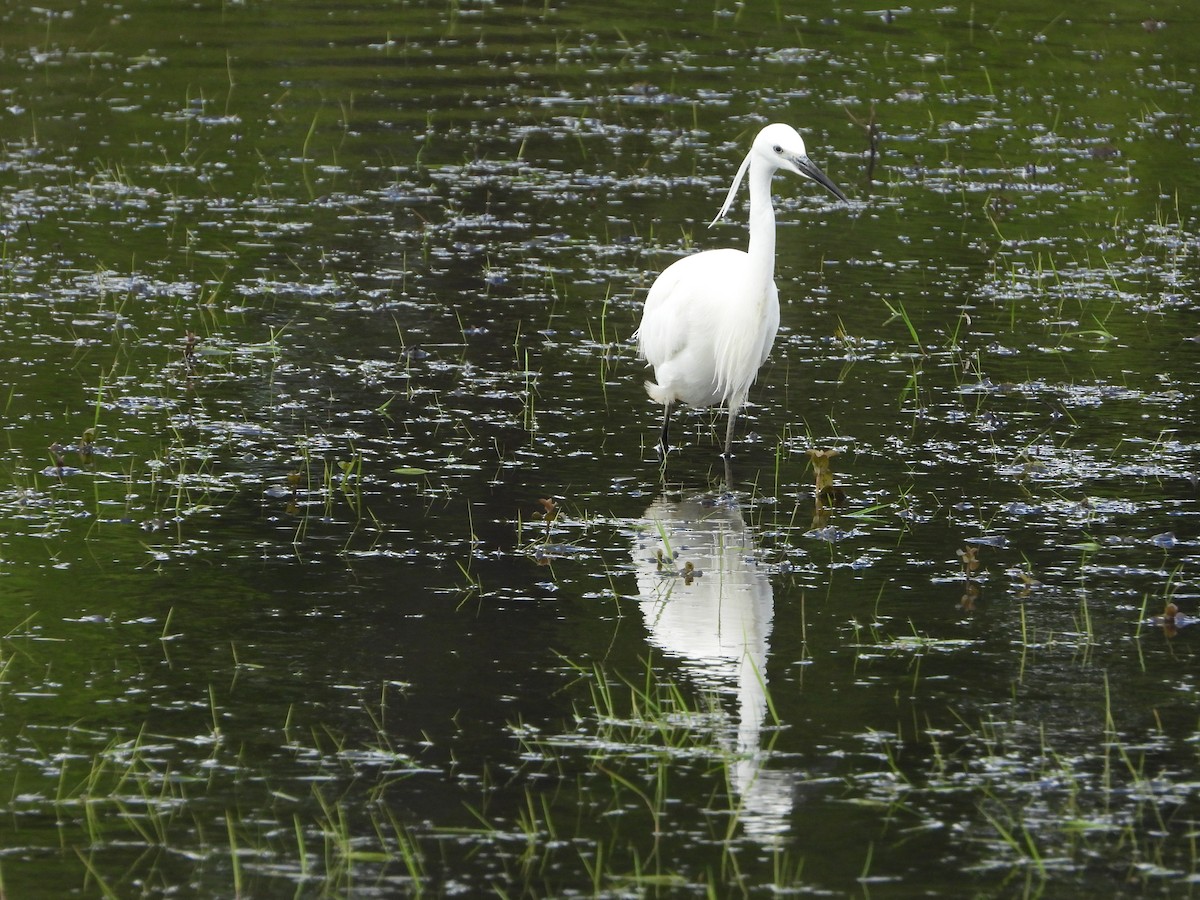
{"points": [[1169, 620], [87, 446], [824, 489], [969, 596], [1029, 584]]}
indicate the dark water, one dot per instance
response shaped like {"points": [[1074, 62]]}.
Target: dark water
{"points": [[334, 554]]}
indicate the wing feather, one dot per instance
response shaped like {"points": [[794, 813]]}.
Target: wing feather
{"points": [[663, 330]]}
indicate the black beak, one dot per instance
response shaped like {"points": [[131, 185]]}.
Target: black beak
{"points": [[809, 169]]}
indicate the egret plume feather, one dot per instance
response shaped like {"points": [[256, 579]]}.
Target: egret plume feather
{"points": [[733, 189]]}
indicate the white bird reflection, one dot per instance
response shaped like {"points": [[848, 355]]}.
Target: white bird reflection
{"points": [[708, 603]]}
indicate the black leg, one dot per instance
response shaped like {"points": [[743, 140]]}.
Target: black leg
{"points": [[663, 442], [728, 454]]}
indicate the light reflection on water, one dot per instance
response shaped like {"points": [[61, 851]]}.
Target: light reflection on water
{"points": [[708, 601], [295, 599]]}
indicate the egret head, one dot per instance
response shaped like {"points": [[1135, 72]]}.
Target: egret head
{"points": [[779, 146]]}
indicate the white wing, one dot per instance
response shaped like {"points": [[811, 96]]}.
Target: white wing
{"points": [[663, 331]]}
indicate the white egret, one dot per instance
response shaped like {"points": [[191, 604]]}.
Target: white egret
{"points": [[710, 318]]}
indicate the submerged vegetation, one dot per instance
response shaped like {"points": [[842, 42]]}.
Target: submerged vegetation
{"points": [[336, 559]]}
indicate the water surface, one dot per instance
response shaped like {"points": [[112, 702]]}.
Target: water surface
{"points": [[336, 558]]}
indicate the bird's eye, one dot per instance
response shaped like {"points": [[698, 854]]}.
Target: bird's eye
{"points": [[777, 149]]}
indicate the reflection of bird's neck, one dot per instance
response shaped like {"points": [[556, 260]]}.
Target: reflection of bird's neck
{"points": [[762, 227]]}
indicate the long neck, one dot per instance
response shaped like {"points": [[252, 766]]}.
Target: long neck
{"points": [[762, 225]]}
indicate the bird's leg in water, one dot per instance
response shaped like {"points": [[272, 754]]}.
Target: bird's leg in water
{"points": [[728, 454], [663, 444]]}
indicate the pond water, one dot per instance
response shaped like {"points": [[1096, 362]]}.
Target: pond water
{"points": [[335, 555]]}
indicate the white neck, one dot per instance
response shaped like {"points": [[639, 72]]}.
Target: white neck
{"points": [[762, 224]]}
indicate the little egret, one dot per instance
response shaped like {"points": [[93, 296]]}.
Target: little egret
{"points": [[710, 318]]}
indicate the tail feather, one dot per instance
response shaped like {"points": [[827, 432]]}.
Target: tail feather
{"points": [[657, 392]]}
